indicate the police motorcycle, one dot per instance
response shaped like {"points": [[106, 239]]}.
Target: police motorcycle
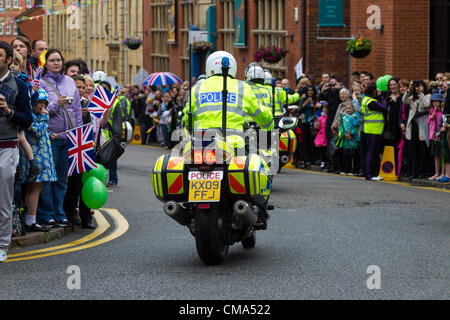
{"points": [[127, 134], [273, 151], [288, 140], [219, 194]]}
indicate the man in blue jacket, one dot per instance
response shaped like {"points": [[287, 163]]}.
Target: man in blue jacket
{"points": [[15, 112]]}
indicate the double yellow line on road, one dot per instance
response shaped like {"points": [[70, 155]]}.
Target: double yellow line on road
{"points": [[102, 226]]}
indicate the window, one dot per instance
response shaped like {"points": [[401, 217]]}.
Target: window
{"points": [[188, 18], [28, 3], [160, 55], [8, 4], [1, 4], [8, 28], [16, 29], [228, 25], [271, 30], [16, 3], [1, 30]]}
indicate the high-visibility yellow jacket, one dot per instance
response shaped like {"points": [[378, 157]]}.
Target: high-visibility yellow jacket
{"points": [[281, 98], [206, 104], [117, 116], [373, 120], [265, 95]]}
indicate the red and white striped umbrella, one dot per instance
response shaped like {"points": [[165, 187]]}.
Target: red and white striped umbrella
{"points": [[161, 79]]}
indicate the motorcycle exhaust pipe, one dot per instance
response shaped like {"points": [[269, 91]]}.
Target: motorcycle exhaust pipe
{"points": [[285, 159], [176, 212], [246, 212]]}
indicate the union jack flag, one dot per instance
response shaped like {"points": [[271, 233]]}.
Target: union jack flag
{"points": [[37, 77], [102, 101], [81, 150]]}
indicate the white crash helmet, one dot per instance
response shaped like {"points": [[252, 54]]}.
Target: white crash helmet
{"points": [[127, 132], [214, 64], [201, 78], [267, 77], [254, 72], [99, 76]]}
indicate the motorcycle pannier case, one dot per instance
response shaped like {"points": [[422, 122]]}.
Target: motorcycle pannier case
{"points": [[248, 178], [288, 142], [169, 179]]}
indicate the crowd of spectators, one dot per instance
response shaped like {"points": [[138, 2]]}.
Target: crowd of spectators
{"points": [[157, 109], [331, 125], [34, 119]]}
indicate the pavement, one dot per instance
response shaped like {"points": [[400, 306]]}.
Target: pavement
{"points": [[33, 238]]}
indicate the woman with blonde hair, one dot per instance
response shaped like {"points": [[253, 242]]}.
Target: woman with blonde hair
{"points": [[88, 94]]}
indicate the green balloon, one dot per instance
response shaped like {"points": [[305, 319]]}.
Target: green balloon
{"points": [[386, 79], [100, 173], [85, 175], [94, 193], [380, 84]]}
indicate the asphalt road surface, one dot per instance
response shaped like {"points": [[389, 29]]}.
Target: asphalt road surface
{"points": [[329, 237]]}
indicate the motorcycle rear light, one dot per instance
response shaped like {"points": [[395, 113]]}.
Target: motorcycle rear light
{"points": [[198, 156], [210, 156], [203, 206]]}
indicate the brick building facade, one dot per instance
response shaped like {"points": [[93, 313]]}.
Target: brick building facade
{"points": [[31, 28], [9, 10], [411, 41]]}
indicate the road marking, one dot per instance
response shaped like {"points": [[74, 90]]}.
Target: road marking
{"points": [[399, 183], [121, 227], [102, 226], [152, 147]]}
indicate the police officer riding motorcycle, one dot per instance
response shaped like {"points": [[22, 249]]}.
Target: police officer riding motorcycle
{"points": [[214, 185]]}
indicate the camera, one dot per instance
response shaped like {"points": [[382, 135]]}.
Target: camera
{"points": [[69, 100], [446, 120]]}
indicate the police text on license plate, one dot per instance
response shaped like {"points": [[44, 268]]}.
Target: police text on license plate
{"points": [[204, 186]]}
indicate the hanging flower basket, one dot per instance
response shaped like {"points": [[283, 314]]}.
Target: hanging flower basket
{"points": [[132, 43], [359, 48], [201, 47], [270, 54]]}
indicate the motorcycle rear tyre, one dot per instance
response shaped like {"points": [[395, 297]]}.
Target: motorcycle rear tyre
{"points": [[210, 236], [249, 242]]}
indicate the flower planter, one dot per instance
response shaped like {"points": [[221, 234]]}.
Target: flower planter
{"points": [[360, 54], [279, 64], [201, 52], [133, 46], [271, 54], [272, 59]]}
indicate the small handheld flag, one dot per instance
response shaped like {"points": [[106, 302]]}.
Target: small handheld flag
{"points": [[101, 101], [36, 79], [81, 149]]}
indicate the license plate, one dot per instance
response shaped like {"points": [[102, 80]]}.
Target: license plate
{"points": [[204, 186]]}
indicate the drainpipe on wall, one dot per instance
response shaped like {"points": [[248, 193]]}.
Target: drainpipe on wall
{"points": [[88, 40], [303, 33], [125, 52]]}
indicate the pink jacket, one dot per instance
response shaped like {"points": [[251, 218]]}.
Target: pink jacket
{"points": [[438, 117], [321, 138]]}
